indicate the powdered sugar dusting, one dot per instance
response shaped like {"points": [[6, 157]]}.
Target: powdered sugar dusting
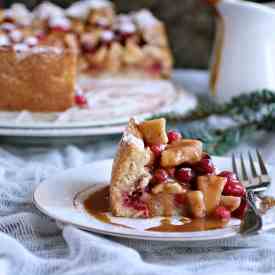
{"points": [[127, 27], [145, 19], [21, 14], [16, 36], [81, 9], [23, 50], [136, 121], [4, 40], [124, 23], [21, 47], [78, 10], [7, 14], [48, 10], [124, 18], [31, 41], [131, 139], [60, 21], [98, 4], [107, 36], [7, 27], [46, 49]]}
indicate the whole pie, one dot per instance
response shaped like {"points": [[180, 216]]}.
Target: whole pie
{"points": [[92, 40], [156, 173]]}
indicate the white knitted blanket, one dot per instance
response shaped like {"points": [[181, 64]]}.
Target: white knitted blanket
{"points": [[31, 243]]}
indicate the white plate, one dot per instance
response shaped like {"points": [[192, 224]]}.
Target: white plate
{"points": [[45, 137], [61, 198], [111, 102], [62, 132]]}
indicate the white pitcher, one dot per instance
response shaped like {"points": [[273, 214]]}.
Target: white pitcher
{"points": [[243, 58]]}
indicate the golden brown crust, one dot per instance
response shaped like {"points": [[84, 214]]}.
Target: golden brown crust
{"points": [[128, 166], [37, 80]]}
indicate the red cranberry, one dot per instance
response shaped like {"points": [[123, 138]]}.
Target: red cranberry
{"points": [[8, 19], [141, 206], [41, 36], [107, 37], [102, 23], [184, 174], [180, 199], [171, 172], [173, 136], [137, 194], [142, 42], [123, 36], [206, 156], [157, 149], [234, 188], [228, 174], [160, 175], [240, 212], [136, 203], [88, 47], [59, 29], [205, 166], [155, 68], [222, 213], [81, 100], [148, 188]]}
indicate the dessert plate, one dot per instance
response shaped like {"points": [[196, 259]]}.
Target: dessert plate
{"points": [[110, 102], [81, 135], [61, 197]]}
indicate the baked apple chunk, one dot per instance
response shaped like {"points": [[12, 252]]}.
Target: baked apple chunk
{"points": [[160, 173], [183, 151], [154, 131]]}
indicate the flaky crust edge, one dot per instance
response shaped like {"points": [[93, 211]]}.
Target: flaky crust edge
{"points": [[128, 165]]}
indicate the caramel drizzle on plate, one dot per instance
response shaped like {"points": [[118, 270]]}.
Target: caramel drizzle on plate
{"points": [[98, 205], [188, 225], [267, 203]]}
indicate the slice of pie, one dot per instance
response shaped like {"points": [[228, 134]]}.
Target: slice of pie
{"points": [[156, 173]]}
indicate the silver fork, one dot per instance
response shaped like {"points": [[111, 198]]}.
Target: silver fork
{"points": [[255, 184]]}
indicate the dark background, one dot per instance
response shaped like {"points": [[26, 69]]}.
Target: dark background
{"points": [[190, 25]]}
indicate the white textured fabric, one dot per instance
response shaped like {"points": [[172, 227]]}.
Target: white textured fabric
{"points": [[31, 243]]}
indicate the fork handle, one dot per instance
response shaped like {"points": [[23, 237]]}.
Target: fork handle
{"points": [[252, 221]]}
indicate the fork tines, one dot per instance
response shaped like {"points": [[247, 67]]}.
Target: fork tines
{"points": [[252, 180]]}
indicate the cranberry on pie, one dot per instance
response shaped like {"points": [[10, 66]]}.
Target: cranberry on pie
{"points": [[156, 173]]}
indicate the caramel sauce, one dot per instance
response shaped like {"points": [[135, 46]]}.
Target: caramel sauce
{"points": [[168, 205], [188, 225], [98, 205], [267, 203]]}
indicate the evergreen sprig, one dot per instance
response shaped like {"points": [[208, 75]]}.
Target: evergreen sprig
{"points": [[244, 106], [250, 113]]}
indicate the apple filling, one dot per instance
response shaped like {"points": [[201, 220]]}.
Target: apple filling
{"points": [[180, 179]]}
